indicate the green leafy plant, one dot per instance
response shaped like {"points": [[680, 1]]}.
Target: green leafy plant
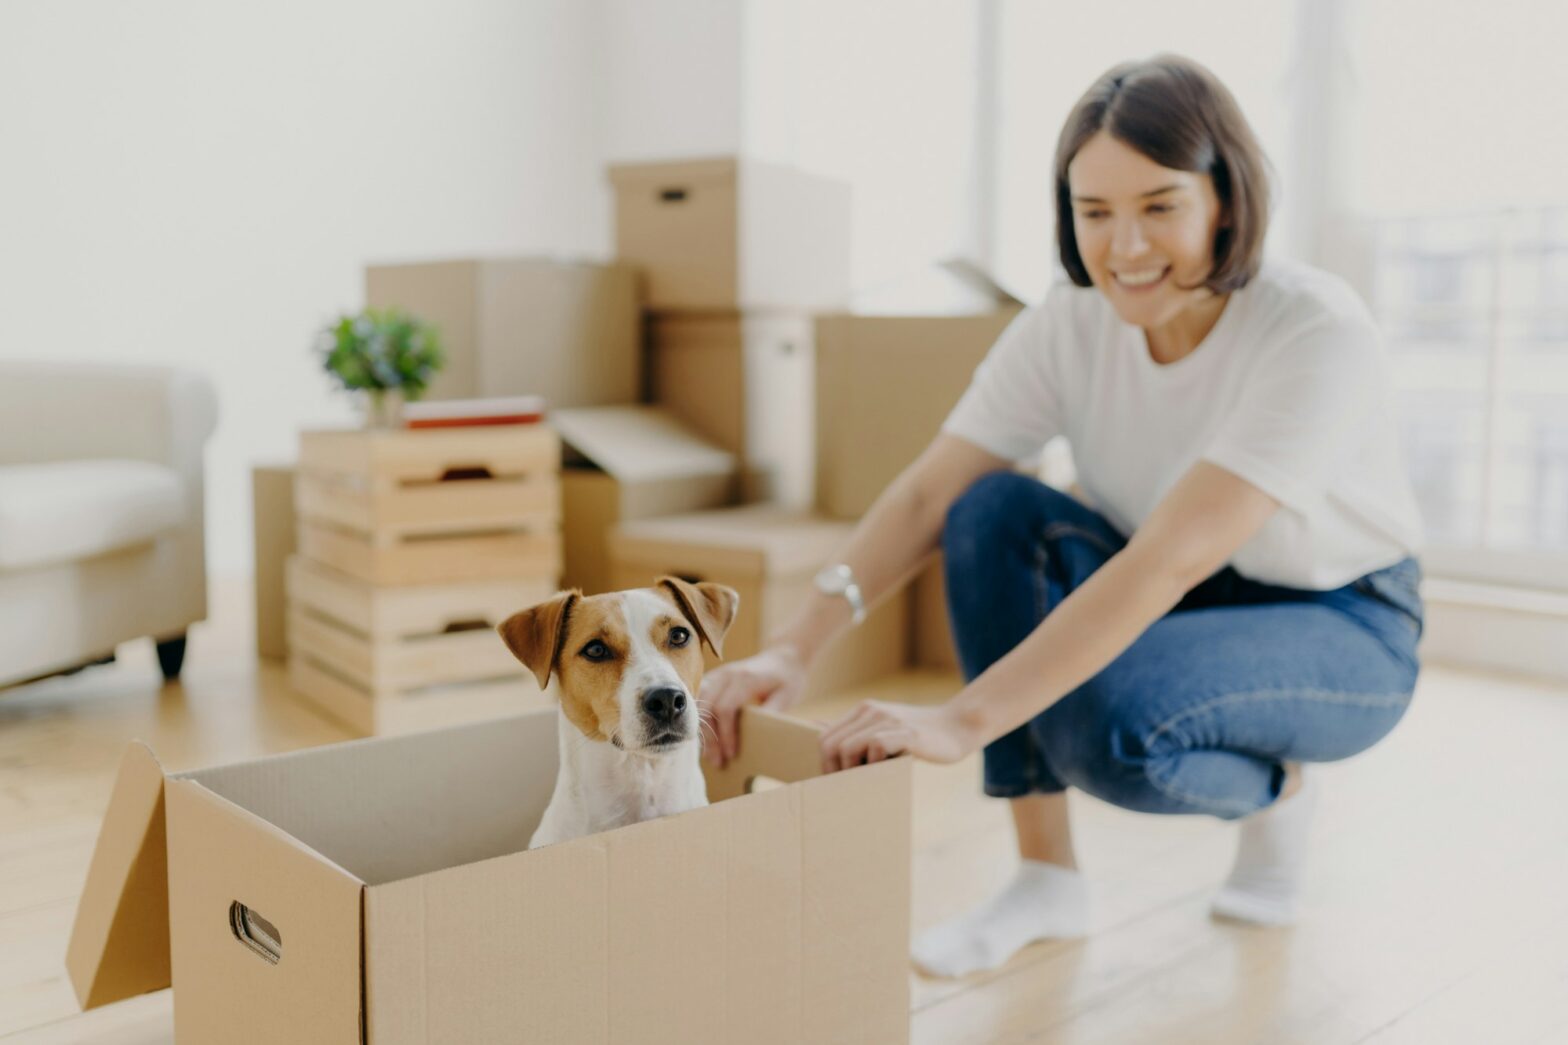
{"points": [[381, 350]]}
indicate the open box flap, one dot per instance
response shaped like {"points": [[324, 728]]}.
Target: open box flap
{"points": [[120, 943], [639, 443], [776, 746]]}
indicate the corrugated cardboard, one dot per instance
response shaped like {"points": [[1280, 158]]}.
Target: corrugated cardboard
{"points": [[397, 903], [727, 233], [569, 331], [629, 462], [885, 384], [931, 636], [743, 381], [272, 513], [769, 555]]}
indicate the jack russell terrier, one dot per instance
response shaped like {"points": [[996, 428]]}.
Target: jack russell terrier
{"points": [[629, 664]]}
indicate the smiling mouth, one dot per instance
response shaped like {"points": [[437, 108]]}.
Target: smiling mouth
{"points": [[1136, 281]]}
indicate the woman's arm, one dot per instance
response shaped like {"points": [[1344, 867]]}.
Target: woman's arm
{"points": [[892, 539], [902, 527], [1199, 525]]}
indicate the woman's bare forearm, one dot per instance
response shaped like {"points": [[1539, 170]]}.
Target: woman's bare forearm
{"points": [[901, 529], [1194, 531], [1090, 628]]}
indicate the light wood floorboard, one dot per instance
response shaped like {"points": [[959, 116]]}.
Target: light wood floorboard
{"points": [[1436, 908]]}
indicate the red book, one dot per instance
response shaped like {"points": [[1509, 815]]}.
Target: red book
{"points": [[459, 413], [465, 422]]}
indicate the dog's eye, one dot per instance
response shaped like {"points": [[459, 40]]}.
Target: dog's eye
{"points": [[679, 636], [596, 650]]}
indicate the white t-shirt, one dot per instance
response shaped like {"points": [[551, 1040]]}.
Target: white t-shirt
{"points": [[1289, 391]]}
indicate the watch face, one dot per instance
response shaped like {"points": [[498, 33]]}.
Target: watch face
{"points": [[832, 580]]}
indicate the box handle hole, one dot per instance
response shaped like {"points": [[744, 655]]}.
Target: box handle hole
{"points": [[672, 195], [466, 472], [256, 932], [466, 625]]}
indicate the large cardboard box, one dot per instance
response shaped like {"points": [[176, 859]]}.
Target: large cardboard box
{"points": [[379, 891], [568, 331], [743, 381], [884, 386], [930, 633], [272, 516], [769, 555], [629, 462], [729, 233]]}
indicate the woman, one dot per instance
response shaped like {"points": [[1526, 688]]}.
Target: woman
{"points": [[1242, 597]]}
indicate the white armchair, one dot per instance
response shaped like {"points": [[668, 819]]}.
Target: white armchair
{"points": [[101, 515]]}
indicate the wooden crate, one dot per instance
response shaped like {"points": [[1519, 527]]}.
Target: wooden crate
{"points": [[426, 507], [394, 659]]}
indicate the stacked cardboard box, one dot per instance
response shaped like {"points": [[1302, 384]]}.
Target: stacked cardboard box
{"points": [[884, 385], [737, 255], [565, 330], [412, 547]]}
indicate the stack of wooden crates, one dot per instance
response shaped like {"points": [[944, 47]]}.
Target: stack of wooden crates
{"points": [[412, 546]]}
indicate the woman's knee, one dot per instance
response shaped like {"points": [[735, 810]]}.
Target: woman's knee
{"points": [[1098, 744], [998, 509]]}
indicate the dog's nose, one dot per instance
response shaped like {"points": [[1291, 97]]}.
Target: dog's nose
{"points": [[663, 705]]}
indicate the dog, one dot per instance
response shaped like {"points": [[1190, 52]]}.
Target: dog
{"points": [[629, 665]]}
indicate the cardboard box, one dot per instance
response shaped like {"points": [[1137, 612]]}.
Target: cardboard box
{"points": [[272, 518], [769, 555], [568, 331], [743, 381], [629, 462], [395, 659], [379, 892], [884, 386], [432, 506], [931, 635], [726, 233]]}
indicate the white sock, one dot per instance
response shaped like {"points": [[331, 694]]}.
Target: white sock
{"points": [[1043, 900], [1265, 882]]}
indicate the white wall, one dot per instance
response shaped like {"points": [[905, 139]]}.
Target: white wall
{"points": [[201, 184], [672, 75]]}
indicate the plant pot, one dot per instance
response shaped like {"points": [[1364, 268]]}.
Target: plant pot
{"points": [[383, 408]]}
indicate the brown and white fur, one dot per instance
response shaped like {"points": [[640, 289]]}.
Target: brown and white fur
{"points": [[629, 665]]}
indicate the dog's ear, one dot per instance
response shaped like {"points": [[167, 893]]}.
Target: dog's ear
{"points": [[535, 635], [710, 608]]}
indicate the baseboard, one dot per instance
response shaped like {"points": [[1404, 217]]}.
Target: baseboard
{"points": [[1515, 630]]}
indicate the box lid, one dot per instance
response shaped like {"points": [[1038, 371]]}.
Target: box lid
{"points": [[971, 274], [776, 540], [120, 942], [638, 443], [709, 168]]}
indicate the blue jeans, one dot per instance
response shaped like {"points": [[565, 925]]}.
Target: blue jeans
{"points": [[1200, 712]]}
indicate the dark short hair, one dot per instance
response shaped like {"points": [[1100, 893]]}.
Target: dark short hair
{"points": [[1179, 115]]}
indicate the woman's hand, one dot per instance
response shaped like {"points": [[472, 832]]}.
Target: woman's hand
{"points": [[775, 678], [877, 729]]}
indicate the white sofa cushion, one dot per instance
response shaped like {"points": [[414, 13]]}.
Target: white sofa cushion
{"points": [[67, 510]]}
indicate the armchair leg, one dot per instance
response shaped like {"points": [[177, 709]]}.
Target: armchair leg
{"points": [[171, 654]]}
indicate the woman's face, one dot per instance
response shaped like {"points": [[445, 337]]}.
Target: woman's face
{"points": [[1142, 229]]}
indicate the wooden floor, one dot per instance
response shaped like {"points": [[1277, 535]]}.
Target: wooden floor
{"points": [[1438, 901]]}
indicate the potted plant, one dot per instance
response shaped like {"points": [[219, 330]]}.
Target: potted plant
{"points": [[388, 355]]}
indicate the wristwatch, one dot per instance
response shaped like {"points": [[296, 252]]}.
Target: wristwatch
{"points": [[839, 579]]}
